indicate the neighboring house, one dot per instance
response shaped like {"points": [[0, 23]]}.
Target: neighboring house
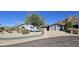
{"points": [[29, 27], [60, 26]]}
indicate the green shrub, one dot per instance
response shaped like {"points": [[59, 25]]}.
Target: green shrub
{"points": [[68, 25], [24, 31], [1, 31], [74, 31], [68, 31], [2, 28]]}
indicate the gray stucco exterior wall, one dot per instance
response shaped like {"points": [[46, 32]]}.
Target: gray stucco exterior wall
{"points": [[55, 27]]}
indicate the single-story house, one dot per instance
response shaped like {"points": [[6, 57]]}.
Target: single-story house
{"points": [[60, 26], [55, 27], [29, 27]]}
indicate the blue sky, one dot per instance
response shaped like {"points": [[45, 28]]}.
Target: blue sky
{"points": [[10, 18]]}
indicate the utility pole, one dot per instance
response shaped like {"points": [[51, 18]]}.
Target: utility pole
{"points": [[17, 25], [0, 25]]}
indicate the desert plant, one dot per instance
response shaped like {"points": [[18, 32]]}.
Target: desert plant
{"points": [[9, 30], [24, 31], [75, 31], [13, 28], [68, 31], [68, 25], [1, 31], [2, 28]]}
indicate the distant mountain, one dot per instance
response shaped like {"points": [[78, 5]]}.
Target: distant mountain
{"points": [[73, 19]]}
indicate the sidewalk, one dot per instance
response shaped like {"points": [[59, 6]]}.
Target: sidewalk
{"points": [[10, 39]]}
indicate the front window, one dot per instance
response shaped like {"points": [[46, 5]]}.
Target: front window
{"points": [[75, 26], [32, 27]]}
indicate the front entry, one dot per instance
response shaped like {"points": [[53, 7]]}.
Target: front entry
{"points": [[48, 28]]}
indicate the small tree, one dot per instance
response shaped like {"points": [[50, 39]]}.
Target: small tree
{"points": [[35, 20], [68, 25]]}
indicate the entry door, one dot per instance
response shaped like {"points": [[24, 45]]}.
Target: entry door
{"points": [[48, 28]]}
